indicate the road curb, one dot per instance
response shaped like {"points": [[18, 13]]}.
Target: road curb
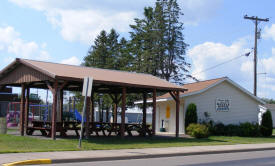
{"points": [[29, 162], [139, 156], [145, 156]]}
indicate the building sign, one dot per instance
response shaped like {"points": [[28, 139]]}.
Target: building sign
{"points": [[222, 105], [167, 115]]}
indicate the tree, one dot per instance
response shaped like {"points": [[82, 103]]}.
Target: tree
{"points": [[124, 60], [108, 52], [174, 63], [103, 54], [157, 42], [143, 43], [191, 115], [268, 101], [98, 55], [267, 124]]}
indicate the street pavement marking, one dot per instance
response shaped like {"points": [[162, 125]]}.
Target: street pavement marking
{"points": [[29, 162]]}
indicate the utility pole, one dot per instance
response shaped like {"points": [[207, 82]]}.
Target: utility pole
{"points": [[257, 36]]}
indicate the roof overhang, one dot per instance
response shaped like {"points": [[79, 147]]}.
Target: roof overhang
{"points": [[205, 89], [78, 81]]}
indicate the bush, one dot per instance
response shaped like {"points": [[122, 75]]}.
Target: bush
{"points": [[232, 130], [191, 115], [243, 129], [197, 130], [249, 130], [267, 124], [218, 129]]}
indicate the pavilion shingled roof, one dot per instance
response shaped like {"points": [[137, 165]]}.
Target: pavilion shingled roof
{"points": [[77, 73]]}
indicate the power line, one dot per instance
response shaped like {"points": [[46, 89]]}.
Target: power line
{"points": [[230, 60]]}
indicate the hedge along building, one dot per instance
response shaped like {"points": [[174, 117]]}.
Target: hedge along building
{"points": [[220, 100], [59, 77], [271, 108]]}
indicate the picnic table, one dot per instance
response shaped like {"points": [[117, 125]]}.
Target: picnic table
{"points": [[106, 129], [45, 127]]}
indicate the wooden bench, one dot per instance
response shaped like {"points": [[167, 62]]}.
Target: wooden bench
{"points": [[43, 130]]}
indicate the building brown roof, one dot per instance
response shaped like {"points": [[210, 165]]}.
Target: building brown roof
{"points": [[271, 107], [77, 73], [194, 87]]}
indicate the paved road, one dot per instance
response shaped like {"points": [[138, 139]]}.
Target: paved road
{"points": [[257, 158]]}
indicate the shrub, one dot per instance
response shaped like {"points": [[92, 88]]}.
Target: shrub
{"points": [[191, 115], [243, 129], [208, 124], [232, 130], [218, 129], [249, 130], [197, 130], [267, 124]]}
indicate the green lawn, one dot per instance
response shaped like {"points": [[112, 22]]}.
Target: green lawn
{"points": [[11, 129], [14, 144]]}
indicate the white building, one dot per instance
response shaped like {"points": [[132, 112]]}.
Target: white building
{"points": [[221, 99]]}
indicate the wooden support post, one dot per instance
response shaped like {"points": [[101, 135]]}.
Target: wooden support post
{"points": [[55, 94], [177, 95], [22, 109], [144, 113], [87, 112], [61, 97], [123, 109], [100, 112], [54, 107], [115, 113], [107, 115], [115, 104], [154, 112], [93, 108], [27, 103], [115, 108]]}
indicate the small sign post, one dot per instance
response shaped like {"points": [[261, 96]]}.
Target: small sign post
{"points": [[86, 91]]}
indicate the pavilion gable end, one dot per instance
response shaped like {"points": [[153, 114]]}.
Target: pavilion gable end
{"points": [[23, 74]]}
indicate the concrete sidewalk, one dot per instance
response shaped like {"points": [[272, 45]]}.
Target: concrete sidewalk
{"points": [[100, 155]]}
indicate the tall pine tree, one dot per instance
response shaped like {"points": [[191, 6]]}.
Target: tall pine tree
{"points": [[97, 56], [174, 65], [157, 42], [105, 53], [143, 40]]}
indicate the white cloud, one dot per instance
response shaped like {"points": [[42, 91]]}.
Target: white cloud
{"points": [[82, 20], [268, 64], [11, 42], [71, 61], [265, 65], [85, 25], [7, 35], [210, 54], [269, 32], [44, 56], [21, 48], [247, 67], [266, 81]]}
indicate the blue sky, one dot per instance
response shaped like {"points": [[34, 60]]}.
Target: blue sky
{"points": [[62, 31]]}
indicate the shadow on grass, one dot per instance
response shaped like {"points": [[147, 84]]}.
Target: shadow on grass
{"points": [[149, 140]]}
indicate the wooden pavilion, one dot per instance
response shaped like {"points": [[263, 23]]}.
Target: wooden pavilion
{"points": [[59, 77]]}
